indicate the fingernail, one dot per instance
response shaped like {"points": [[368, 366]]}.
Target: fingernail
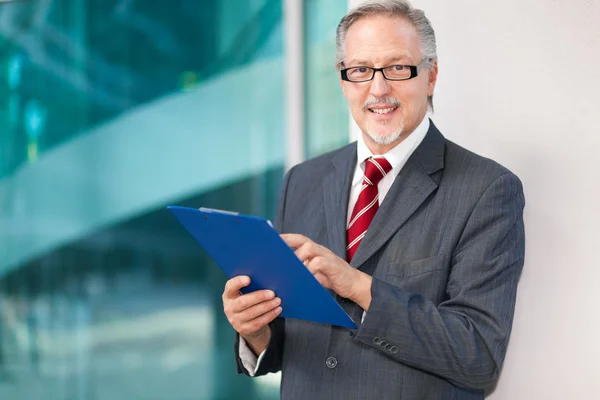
{"points": [[269, 294], [245, 280], [278, 310], [276, 302]]}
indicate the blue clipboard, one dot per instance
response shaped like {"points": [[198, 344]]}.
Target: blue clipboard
{"points": [[248, 245]]}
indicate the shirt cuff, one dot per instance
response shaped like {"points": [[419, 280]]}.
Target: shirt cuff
{"points": [[249, 360]]}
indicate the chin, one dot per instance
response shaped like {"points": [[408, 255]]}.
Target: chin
{"points": [[385, 138]]}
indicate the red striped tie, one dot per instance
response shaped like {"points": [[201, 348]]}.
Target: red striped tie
{"points": [[367, 204]]}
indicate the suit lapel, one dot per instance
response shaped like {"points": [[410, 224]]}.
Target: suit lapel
{"points": [[336, 191], [410, 189]]}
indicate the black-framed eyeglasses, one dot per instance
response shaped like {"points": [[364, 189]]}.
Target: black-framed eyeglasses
{"points": [[391, 72]]}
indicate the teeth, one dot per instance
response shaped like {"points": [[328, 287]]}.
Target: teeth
{"points": [[383, 110]]}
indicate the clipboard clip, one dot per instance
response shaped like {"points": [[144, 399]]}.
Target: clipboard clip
{"points": [[214, 210]]}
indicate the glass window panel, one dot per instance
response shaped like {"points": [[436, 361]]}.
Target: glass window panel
{"points": [[110, 111], [325, 107]]}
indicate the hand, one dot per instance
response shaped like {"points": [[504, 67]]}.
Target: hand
{"points": [[332, 271], [250, 314]]}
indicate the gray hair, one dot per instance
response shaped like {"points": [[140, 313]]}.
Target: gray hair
{"points": [[400, 8]]}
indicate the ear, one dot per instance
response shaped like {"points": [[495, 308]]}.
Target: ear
{"points": [[433, 74]]}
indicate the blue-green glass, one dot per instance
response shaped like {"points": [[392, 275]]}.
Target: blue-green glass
{"points": [[326, 109], [109, 111]]}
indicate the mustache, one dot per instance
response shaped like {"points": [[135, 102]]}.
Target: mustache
{"points": [[384, 100]]}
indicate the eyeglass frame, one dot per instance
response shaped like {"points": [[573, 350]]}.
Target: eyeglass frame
{"points": [[414, 71]]}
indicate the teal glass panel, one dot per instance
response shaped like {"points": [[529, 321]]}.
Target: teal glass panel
{"points": [[109, 111], [326, 110], [76, 64]]}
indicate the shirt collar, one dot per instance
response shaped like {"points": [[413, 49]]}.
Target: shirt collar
{"points": [[397, 156]]}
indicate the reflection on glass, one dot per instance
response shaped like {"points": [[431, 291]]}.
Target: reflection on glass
{"points": [[103, 295]]}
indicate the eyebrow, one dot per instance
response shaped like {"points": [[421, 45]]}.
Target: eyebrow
{"points": [[390, 61]]}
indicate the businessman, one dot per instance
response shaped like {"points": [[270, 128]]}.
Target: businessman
{"points": [[419, 240]]}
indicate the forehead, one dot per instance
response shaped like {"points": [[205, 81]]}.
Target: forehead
{"points": [[381, 39]]}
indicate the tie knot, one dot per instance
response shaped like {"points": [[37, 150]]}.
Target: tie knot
{"points": [[376, 169]]}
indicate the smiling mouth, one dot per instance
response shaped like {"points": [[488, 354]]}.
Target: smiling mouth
{"points": [[383, 111]]}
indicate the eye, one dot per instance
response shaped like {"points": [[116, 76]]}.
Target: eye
{"points": [[399, 67], [359, 71], [359, 74]]}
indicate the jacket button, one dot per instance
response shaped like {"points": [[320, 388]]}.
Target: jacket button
{"points": [[331, 362], [394, 349], [376, 341]]}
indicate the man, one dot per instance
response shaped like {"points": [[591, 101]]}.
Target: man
{"points": [[420, 240]]}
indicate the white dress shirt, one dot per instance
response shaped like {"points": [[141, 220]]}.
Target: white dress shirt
{"points": [[397, 157]]}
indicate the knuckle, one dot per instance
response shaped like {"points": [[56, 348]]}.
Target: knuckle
{"points": [[245, 316], [242, 303], [232, 321], [251, 314], [315, 263]]}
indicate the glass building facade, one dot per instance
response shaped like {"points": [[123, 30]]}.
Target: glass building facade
{"points": [[109, 112]]}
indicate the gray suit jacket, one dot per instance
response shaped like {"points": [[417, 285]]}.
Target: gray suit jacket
{"points": [[445, 250]]}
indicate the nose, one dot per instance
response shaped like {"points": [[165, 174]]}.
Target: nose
{"points": [[379, 85]]}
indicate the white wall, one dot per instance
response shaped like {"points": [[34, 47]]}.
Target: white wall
{"points": [[520, 83]]}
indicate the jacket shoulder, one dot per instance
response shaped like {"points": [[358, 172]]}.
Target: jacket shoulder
{"points": [[323, 163], [459, 160]]}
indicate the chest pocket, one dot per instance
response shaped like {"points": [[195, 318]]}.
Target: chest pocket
{"points": [[427, 277]]}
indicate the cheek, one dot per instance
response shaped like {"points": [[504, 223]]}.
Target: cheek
{"points": [[411, 96], [357, 101]]}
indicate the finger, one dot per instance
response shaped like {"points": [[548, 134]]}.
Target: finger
{"points": [[250, 300], [322, 279], [233, 286], [294, 240], [251, 313], [309, 251], [257, 324], [318, 263], [304, 253], [312, 266]]}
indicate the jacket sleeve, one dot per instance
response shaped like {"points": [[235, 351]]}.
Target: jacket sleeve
{"points": [[271, 361], [464, 338]]}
